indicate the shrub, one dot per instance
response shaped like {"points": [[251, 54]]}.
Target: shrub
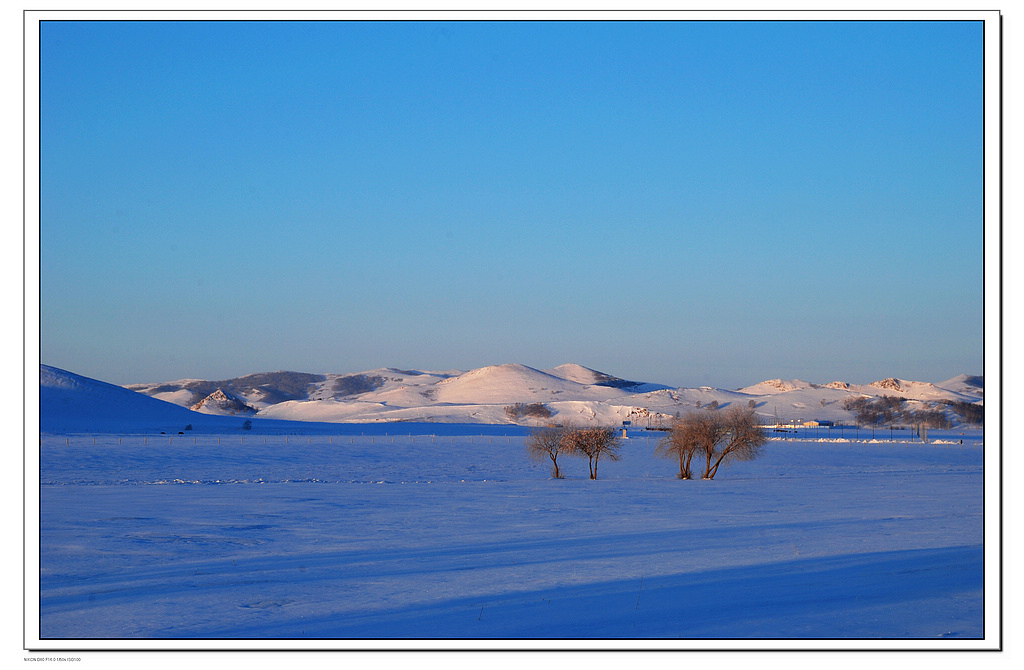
{"points": [[520, 410], [969, 412]]}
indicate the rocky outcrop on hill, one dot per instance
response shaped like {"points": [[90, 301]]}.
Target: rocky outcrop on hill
{"points": [[220, 402], [891, 384]]}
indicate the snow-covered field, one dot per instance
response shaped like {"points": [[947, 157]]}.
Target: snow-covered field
{"points": [[371, 538]]}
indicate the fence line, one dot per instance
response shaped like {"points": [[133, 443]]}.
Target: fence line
{"points": [[969, 443]]}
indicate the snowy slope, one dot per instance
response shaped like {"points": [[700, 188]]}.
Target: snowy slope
{"points": [[512, 383], [969, 385], [72, 403], [578, 373], [587, 376]]}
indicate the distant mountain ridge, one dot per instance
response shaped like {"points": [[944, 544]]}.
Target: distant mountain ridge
{"points": [[568, 392]]}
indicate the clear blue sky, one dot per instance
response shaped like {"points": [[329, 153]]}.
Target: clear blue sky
{"points": [[680, 202]]}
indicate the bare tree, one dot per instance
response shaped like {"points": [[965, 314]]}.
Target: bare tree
{"points": [[742, 440], [681, 442], [547, 442], [592, 443], [718, 437]]}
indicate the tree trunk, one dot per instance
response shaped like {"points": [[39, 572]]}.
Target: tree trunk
{"points": [[684, 468], [714, 470], [554, 462]]}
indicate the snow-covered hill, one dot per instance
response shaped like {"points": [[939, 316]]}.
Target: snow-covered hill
{"points": [[497, 394], [72, 403]]}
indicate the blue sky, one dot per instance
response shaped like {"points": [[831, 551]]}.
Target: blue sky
{"points": [[688, 203]]}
